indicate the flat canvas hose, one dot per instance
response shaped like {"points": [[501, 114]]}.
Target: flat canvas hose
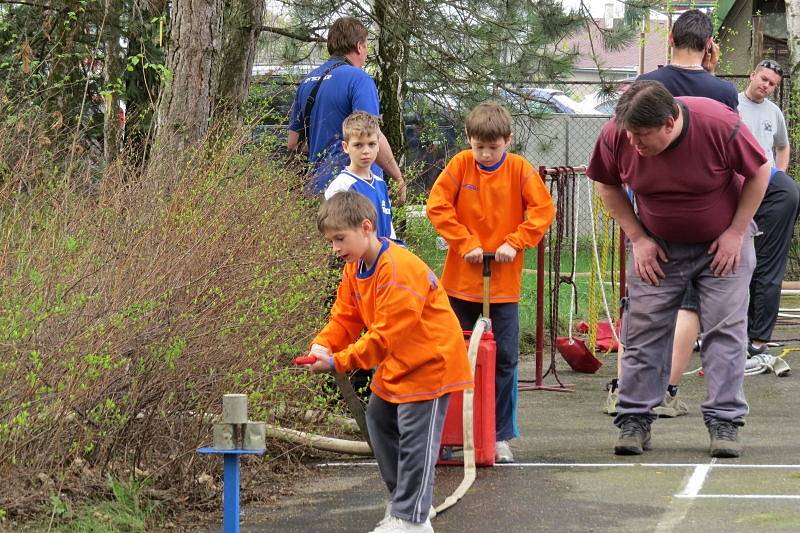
{"points": [[481, 326], [318, 442], [354, 404]]}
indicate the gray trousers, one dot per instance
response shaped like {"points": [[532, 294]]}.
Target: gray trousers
{"points": [[406, 438], [648, 326]]}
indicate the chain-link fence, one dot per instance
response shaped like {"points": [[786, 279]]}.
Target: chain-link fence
{"points": [[562, 140], [545, 138], [580, 91]]}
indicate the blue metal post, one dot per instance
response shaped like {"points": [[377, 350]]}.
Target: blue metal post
{"points": [[230, 495], [231, 481]]}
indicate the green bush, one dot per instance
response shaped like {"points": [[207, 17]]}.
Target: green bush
{"points": [[131, 300]]}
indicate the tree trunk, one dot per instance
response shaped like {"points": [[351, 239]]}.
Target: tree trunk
{"points": [[193, 50], [113, 70], [393, 20], [142, 85], [793, 31], [242, 26]]}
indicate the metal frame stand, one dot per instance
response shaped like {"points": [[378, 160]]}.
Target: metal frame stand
{"points": [[230, 484]]}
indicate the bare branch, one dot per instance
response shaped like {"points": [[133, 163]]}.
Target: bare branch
{"points": [[308, 38]]}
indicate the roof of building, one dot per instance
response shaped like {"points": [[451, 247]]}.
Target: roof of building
{"points": [[655, 49]]}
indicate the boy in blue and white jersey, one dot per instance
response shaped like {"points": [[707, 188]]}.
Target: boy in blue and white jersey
{"points": [[360, 142]]}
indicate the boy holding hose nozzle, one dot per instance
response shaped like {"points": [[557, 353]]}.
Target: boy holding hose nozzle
{"points": [[489, 200], [414, 340]]}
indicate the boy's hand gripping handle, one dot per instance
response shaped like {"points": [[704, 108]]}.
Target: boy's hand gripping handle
{"points": [[305, 360], [488, 257]]}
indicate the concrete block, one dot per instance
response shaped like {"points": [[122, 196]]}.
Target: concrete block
{"points": [[254, 436], [234, 408], [224, 436]]}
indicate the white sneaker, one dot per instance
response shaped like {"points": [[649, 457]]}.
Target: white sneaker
{"points": [[502, 452], [386, 516], [398, 525]]}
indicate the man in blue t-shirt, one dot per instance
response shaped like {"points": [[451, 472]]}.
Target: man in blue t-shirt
{"points": [[689, 73], [345, 88]]}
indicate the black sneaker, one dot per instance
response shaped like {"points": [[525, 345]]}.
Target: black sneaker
{"points": [[634, 436], [724, 438], [752, 350]]}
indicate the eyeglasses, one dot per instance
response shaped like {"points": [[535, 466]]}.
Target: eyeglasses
{"points": [[773, 66]]}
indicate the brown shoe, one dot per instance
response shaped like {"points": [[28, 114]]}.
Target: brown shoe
{"points": [[724, 438], [634, 436]]}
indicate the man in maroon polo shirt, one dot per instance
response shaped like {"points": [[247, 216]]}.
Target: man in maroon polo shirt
{"points": [[684, 158]]}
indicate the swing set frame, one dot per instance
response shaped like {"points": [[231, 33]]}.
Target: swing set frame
{"points": [[538, 384]]}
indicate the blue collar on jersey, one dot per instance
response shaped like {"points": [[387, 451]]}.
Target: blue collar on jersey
{"points": [[363, 273], [495, 166]]}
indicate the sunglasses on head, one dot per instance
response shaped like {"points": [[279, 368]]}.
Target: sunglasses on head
{"points": [[773, 66]]}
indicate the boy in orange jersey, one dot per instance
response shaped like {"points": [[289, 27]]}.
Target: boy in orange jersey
{"points": [[487, 200], [413, 338]]}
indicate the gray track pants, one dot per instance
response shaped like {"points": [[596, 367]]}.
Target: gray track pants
{"points": [[405, 438], [648, 326]]}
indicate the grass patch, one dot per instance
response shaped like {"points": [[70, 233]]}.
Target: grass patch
{"points": [[787, 520], [124, 511]]}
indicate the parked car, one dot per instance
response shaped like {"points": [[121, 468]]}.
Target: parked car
{"points": [[604, 101], [544, 100]]}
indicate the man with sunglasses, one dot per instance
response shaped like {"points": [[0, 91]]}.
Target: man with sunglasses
{"points": [[778, 212]]}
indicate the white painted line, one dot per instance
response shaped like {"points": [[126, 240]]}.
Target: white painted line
{"points": [[745, 496], [647, 465], [695, 483], [726, 465], [567, 465], [593, 465], [675, 515]]}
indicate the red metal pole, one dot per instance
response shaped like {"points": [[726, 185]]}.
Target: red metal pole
{"points": [[540, 274], [538, 383]]}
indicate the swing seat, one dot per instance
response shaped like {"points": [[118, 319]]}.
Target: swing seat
{"points": [[605, 339], [577, 355]]}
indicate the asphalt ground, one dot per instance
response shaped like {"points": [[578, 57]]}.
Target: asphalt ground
{"points": [[567, 478]]}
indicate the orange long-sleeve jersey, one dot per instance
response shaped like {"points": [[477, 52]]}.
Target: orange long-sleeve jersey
{"points": [[412, 334], [471, 207]]}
